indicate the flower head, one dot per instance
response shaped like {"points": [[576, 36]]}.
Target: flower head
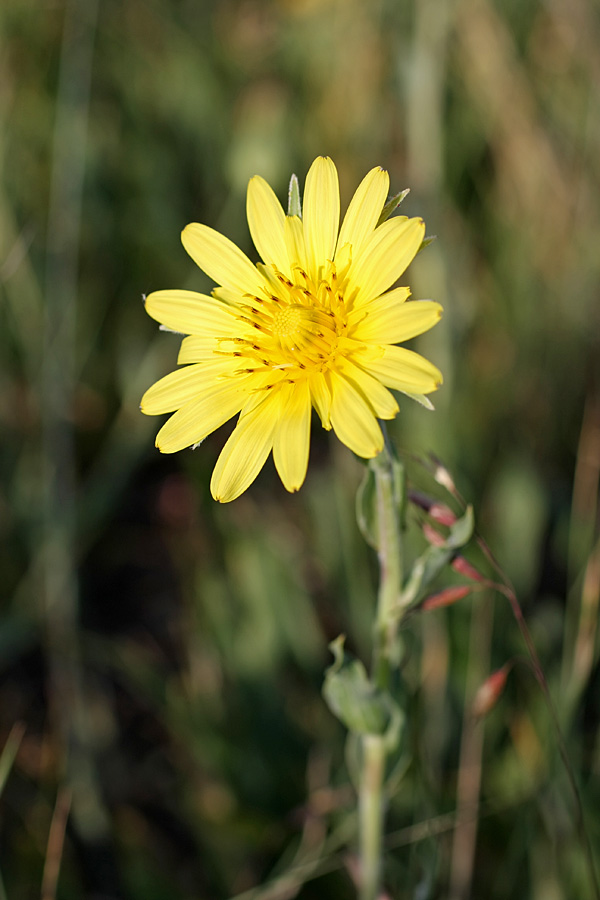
{"points": [[312, 325]]}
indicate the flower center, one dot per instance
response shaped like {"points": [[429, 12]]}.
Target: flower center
{"points": [[296, 325], [287, 321]]}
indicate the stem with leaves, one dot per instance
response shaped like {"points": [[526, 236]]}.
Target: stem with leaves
{"points": [[386, 660]]}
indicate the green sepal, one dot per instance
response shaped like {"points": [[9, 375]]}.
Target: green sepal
{"points": [[427, 240], [423, 399], [392, 204], [294, 204], [354, 699]]}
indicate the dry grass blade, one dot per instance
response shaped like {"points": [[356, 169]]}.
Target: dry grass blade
{"points": [[56, 841]]}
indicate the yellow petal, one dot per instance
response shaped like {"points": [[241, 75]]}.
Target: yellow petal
{"points": [[321, 214], [292, 435], [208, 411], [192, 313], [381, 401], [353, 420], [404, 370], [273, 286], [266, 221], [387, 321], [179, 387], [321, 398], [364, 210], [196, 348], [228, 297], [383, 258], [294, 241], [246, 450], [220, 259]]}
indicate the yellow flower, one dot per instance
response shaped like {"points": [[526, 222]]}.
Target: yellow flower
{"points": [[314, 324]]}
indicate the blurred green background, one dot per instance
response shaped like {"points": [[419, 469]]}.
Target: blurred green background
{"points": [[161, 656]]}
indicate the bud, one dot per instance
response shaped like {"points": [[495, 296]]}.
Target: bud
{"points": [[432, 536], [463, 567], [442, 475], [489, 693], [441, 513], [446, 597]]}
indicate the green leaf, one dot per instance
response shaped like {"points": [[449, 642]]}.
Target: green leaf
{"points": [[462, 530], [366, 508], [399, 477], [425, 569], [428, 566], [366, 496], [354, 699]]}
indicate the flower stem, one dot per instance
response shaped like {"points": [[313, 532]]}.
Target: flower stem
{"points": [[386, 649], [386, 659], [371, 813]]}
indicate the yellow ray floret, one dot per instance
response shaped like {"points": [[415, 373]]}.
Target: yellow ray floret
{"points": [[315, 324]]}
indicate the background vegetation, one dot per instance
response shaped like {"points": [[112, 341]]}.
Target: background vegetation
{"points": [[161, 656]]}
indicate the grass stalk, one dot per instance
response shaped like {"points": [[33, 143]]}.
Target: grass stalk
{"points": [[58, 391]]}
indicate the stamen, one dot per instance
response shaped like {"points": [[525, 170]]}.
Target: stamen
{"points": [[299, 326]]}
